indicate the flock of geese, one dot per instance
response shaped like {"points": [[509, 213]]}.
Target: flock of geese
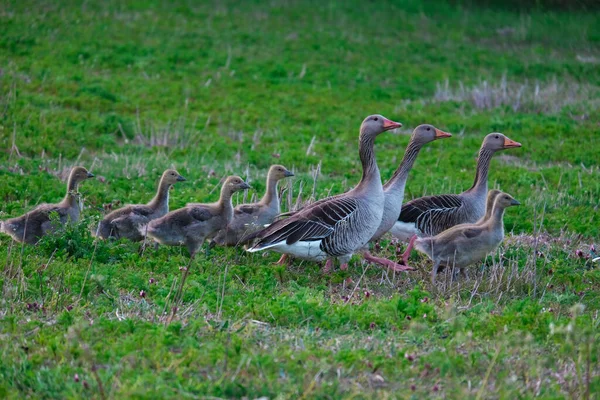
{"points": [[454, 230]]}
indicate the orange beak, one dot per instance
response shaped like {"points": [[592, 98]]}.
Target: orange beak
{"points": [[509, 143], [441, 134], [389, 125]]}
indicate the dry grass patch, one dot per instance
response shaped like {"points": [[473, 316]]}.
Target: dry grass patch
{"points": [[536, 97]]}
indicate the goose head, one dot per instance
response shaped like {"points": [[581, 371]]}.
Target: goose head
{"points": [[505, 200], [79, 174], [428, 133], [373, 125], [235, 184], [171, 176], [277, 172], [497, 141]]}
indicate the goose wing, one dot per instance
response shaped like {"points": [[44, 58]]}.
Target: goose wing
{"points": [[132, 217], [432, 214], [142, 210], [246, 209], [200, 213], [312, 223], [313, 204]]}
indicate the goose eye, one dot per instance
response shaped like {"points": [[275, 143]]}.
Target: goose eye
{"points": [[375, 119], [428, 129], [496, 136]]}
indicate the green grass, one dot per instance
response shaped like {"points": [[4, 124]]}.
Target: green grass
{"points": [[215, 88]]}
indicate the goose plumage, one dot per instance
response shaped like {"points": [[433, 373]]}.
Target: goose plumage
{"points": [[466, 244], [126, 221], [431, 215], [249, 218], [339, 225], [30, 228], [191, 225]]}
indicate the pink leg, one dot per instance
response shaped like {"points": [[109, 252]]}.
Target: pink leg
{"points": [[283, 260], [386, 263], [406, 254], [344, 266], [328, 266]]}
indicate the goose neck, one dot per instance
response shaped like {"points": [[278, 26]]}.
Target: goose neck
{"points": [[271, 195], [366, 152], [398, 180], [72, 195], [162, 195], [480, 185]]}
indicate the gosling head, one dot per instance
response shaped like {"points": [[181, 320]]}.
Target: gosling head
{"points": [[498, 141], [373, 125], [235, 184], [79, 174], [278, 172], [171, 177], [505, 200]]}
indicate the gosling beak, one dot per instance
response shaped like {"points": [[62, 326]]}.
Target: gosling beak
{"points": [[389, 125], [515, 202], [90, 175], [181, 178], [509, 143], [288, 173], [246, 186], [441, 134]]}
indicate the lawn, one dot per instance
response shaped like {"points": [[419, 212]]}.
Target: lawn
{"points": [[128, 89]]}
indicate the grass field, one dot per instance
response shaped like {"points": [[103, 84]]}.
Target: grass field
{"points": [[212, 88]]}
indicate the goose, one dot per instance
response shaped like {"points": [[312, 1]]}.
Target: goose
{"points": [[30, 228], [466, 244], [489, 205], [248, 218], [430, 215], [393, 189], [196, 222], [125, 222], [339, 225]]}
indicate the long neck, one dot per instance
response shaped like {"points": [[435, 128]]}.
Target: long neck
{"points": [[271, 196], [366, 152], [72, 195], [497, 216], [162, 195], [398, 180], [225, 199], [480, 185]]}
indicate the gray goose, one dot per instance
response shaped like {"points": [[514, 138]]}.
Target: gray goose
{"points": [[466, 244], [339, 225], [30, 228], [430, 215], [393, 189], [194, 223], [125, 222], [249, 218]]}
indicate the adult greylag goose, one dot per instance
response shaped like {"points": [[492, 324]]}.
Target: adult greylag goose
{"points": [[29, 228], [194, 223], [430, 215], [249, 218], [339, 225], [125, 222], [393, 189], [466, 244]]}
